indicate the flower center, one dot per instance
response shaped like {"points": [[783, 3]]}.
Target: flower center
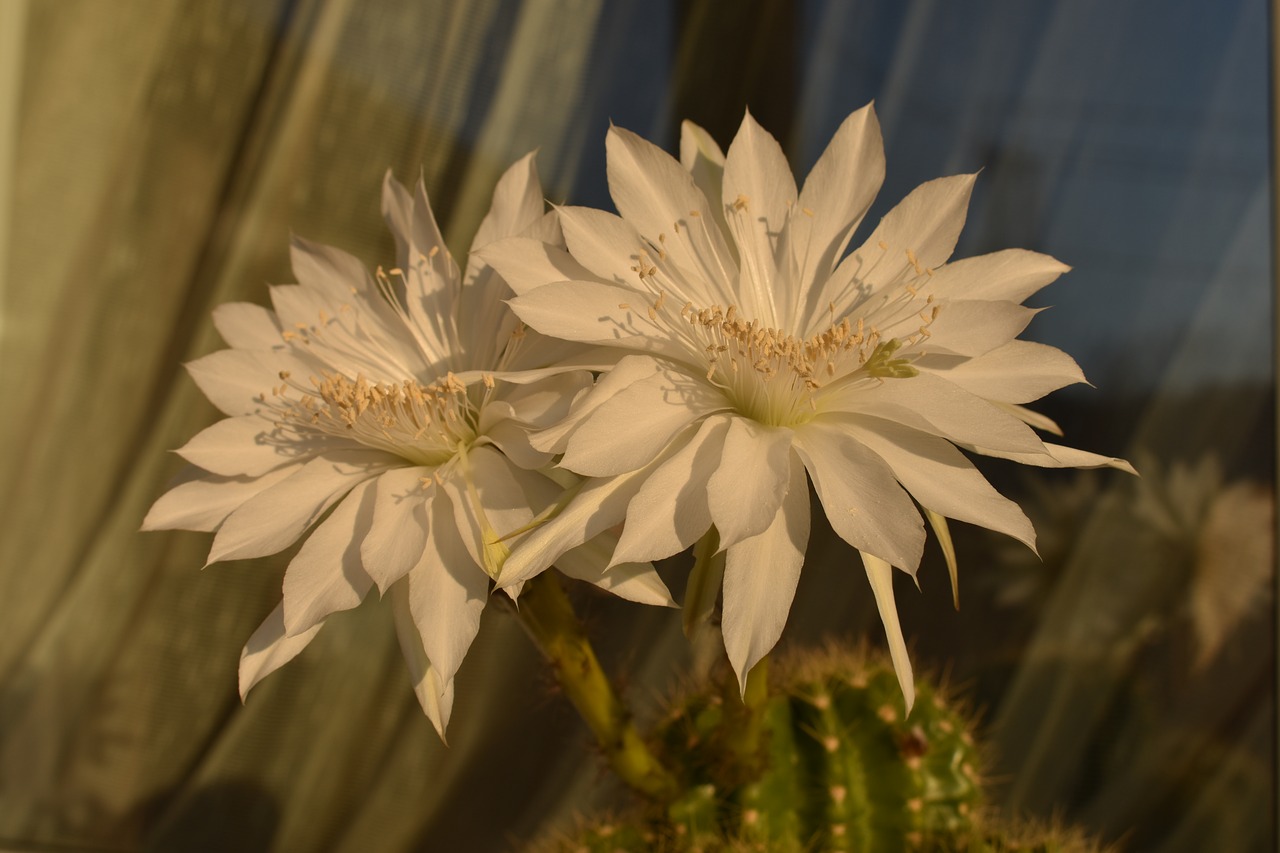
{"points": [[771, 375], [424, 424]]}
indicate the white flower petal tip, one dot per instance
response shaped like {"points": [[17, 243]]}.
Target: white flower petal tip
{"points": [[270, 648], [880, 575]]}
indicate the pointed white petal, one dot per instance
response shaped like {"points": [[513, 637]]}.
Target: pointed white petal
{"points": [[1010, 275], [880, 574], [758, 194], [274, 519], [527, 264], [760, 576], [924, 226], [328, 271], [593, 313], [252, 445], [633, 426], [203, 501], [488, 502], [269, 649], [540, 404], [326, 575], [653, 193], [836, 195], [244, 325], [974, 328], [670, 512], [702, 158], [750, 481], [943, 531], [1057, 456], [941, 478], [1018, 372], [431, 282], [599, 505], [629, 370], [435, 695], [485, 323], [931, 403], [862, 499], [928, 222], [517, 203], [447, 592], [235, 380], [398, 530], [638, 582]]}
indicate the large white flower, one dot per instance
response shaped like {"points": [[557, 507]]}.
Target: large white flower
{"points": [[399, 404], [762, 358]]}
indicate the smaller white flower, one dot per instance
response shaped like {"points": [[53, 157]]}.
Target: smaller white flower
{"points": [[762, 358], [391, 412]]}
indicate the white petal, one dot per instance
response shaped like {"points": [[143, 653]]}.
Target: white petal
{"points": [[1018, 372], [503, 506], [670, 512], [513, 440], [1010, 275], [517, 203], [447, 592], [274, 519], [235, 380], [633, 426], [628, 371], [637, 582], [1057, 456], [328, 271], [435, 695], [750, 481], [931, 403], [357, 339], [862, 499], [760, 576], [398, 531], [484, 321], [528, 264], [653, 193], [203, 501], [599, 505], [244, 325], [941, 478], [431, 282], [702, 158], [269, 649], [880, 574], [326, 575], [593, 313], [836, 195], [252, 445], [758, 194], [974, 328], [927, 223], [541, 404]]}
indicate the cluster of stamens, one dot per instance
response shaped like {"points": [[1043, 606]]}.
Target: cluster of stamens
{"points": [[424, 424]]}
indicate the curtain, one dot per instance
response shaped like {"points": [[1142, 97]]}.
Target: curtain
{"points": [[154, 158]]}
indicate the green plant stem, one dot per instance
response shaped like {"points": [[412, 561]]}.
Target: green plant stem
{"points": [[548, 615]]}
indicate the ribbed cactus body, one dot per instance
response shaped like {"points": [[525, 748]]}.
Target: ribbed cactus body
{"points": [[838, 766], [828, 762]]}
